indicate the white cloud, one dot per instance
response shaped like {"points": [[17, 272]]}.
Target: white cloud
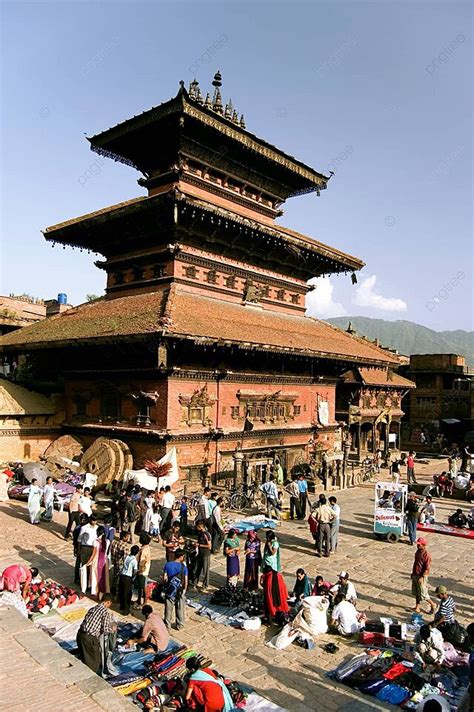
{"points": [[320, 303], [365, 296]]}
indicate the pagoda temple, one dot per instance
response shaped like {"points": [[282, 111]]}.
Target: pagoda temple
{"points": [[201, 341]]}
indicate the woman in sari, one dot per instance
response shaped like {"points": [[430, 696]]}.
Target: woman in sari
{"points": [[231, 551], [253, 558], [275, 593], [100, 579], [34, 501], [48, 500], [205, 691]]}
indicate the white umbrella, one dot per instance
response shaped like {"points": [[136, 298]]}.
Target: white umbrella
{"points": [[33, 470]]}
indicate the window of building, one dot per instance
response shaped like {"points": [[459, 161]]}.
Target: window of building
{"points": [[425, 400], [138, 273], [235, 411], [159, 271], [212, 276], [295, 298], [110, 403], [118, 277], [196, 415], [230, 282], [296, 410], [190, 272], [280, 294], [264, 290]]}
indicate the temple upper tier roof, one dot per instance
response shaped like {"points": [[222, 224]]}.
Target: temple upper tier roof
{"points": [[195, 128], [177, 313], [117, 228]]}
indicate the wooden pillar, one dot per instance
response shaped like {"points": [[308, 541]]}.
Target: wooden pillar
{"points": [[359, 430]]}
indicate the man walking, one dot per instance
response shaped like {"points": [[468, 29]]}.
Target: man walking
{"points": [[324, 515], [335, 523], [419, 575], [175, 574], [73, 511], [167, 504], [204, 510], [411, 479], [270, 491]]}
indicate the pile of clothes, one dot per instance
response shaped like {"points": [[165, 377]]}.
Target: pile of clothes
{"points": [[391, 677], [47, 595]]}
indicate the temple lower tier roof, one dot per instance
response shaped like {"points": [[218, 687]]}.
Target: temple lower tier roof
{"points": [[178, 313]]}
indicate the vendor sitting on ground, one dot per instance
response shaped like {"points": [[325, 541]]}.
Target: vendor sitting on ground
{"points": [[445, 615], [429, 646], [345, 617], [206, 692], [344, 587], [302, 587], [428, 511], [458, 519], [154, 637], [17, 579], [321, 587]]}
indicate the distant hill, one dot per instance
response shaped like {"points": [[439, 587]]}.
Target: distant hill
{"points": [[410, 338]]}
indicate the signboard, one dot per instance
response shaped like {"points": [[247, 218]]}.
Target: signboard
{"points": [[389, 511], [323, 412]]}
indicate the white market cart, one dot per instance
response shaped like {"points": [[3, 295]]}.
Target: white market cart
{"points": [[389, 510]]}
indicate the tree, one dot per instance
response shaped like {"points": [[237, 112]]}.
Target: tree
{"points": [[92, 297]]}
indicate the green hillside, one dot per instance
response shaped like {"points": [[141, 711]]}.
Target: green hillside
{"points": [[409, 338]]}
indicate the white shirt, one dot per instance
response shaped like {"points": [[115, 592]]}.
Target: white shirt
{"points": [[351, 594], [168, 500], [345, 615], [337, 511], [87, 535], [85, 505]]}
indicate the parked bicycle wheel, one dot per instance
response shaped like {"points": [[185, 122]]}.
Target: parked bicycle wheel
{"points": [[238, 501]]}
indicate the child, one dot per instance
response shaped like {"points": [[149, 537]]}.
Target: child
{"points": [[127, 574], [183, 515], [155, 519], [321, 587]]}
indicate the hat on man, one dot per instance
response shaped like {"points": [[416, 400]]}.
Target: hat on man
{"points": [[441, 589], [422, 541], [343, 575]]}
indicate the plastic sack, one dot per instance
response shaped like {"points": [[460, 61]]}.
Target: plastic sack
{"points": [[254, 623], [284, 638]]}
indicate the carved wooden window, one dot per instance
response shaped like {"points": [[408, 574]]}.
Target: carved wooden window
{"points": [[295, 298], [118, 277], [159, 271], [296, 410], [230, 282], [280, 294], [235, 411], [196, 415], [138, 273], [191, 272], [264, 290], [212, 276]]}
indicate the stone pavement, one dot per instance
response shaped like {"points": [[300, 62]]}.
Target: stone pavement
{"points": [[293, 678], [35, 673]]}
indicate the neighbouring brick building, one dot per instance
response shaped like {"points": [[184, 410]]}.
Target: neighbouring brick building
{"points": [[444, 396], [201, 341]]}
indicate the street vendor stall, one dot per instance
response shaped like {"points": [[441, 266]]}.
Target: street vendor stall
{"points": [[389, 510]]}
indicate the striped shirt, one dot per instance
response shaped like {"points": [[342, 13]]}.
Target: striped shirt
{"points": [[446, 610]]}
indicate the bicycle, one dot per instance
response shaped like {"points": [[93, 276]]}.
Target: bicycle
{"points": [[368, 473], [243, 498], [193, 504]]}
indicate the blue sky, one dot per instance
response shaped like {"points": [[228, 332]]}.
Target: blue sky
{"points": [[378, 92]]}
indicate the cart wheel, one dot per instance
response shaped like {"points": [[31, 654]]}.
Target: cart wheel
{"points": [[392, 537]]}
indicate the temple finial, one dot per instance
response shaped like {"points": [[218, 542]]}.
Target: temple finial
{"points": [[217, 79], [217, 101], [242, 121], [207, 101], [235, 117], [228, 110], [199, 98]]}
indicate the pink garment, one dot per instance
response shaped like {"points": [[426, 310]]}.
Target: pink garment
{"points": [[452, 657], [100, 582], [14, 576]]}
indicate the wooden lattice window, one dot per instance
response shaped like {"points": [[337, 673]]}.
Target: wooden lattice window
{"points": [[230, 282], [191, 272], [280, 294]]}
